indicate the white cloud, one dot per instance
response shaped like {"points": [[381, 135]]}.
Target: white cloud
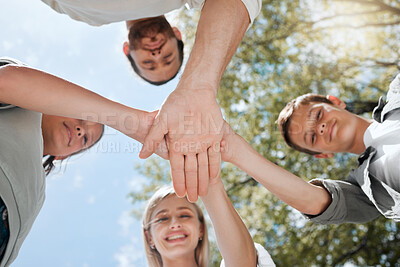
{"points": [[77, 182], [129, 255], [91, 199], [136, 183], [126, 221]]}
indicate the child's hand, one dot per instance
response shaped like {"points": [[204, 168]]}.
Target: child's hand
{"points": [[162, 149], [229, 143]]}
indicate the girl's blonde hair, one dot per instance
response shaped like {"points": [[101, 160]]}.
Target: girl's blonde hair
{"points": [[153, 256]]}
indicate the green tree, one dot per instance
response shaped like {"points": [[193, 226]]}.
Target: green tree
{"points": [[347, 48]]}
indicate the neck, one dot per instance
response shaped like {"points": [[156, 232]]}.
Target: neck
{"points": [[362, 125], [184, 261]]}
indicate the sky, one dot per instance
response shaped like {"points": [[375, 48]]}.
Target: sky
{"points": [[85, 219]]}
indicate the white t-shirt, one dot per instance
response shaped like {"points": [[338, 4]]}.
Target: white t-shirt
{"points": [[385, 138], [100, 12], [263, 257]]}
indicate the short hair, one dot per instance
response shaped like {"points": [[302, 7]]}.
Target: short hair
{"points": [[286, 115], [135, 68], [153, 256]]}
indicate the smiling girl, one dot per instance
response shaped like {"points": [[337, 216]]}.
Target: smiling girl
{"points": [[43, 115], [175, 232]]}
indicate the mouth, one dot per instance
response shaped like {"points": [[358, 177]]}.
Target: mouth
{"points": [[331, 130], [69, 133], [176, 238], [154, 45]]}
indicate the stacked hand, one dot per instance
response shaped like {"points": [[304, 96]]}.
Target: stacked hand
{"points": [[191, 123]]}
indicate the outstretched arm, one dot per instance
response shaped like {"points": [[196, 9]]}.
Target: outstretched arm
{"points": [[190, 116], [233, 238], [305, 197], [42, 92]]}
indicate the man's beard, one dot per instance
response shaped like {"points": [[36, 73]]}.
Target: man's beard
{"points": [[148, 28]]}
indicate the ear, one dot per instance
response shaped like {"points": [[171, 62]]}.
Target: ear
{"points": [[336, 101], [148, 237], [125, 48], [201, 230], [60, 157], [177, 33], [323, 155]]}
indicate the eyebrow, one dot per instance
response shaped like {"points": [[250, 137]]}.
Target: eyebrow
{"points": [[308, 118]]}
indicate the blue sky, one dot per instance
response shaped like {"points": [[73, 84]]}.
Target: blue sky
{"points": [[85, 220]]}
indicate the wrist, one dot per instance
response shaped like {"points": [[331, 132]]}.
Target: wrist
{"points": [[146, 120], [238, 148], [195, 80]]}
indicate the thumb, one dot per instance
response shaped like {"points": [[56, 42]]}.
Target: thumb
{"points": [[153, 139]]}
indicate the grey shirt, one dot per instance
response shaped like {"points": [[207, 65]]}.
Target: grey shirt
{"points": [[362, 197], [22, 178]]}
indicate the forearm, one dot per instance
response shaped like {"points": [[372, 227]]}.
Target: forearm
{"points": [[292, 190], [233, 238], [42, 92], [221, 27]]}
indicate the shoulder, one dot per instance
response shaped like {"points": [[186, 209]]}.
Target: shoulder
{"points": [[263, 257], [8, 60]]}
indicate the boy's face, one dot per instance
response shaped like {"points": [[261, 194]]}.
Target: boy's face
{"points": [[323, 128]]}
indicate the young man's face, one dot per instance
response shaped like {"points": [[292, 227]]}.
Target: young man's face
{"points": [[155, 49], [323, 128]]}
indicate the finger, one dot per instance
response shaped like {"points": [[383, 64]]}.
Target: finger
{"points": [[202, 171], [153, 138], [162, 149], [191, 177], [177, 173], [214, 160]]}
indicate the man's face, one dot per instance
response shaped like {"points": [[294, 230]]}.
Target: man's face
{"points": [[323, 128], [154, 48]]}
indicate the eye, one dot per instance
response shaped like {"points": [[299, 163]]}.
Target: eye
{"points": [[313, 138], [167, 56], [319, 114], [161, 220], [85, 140], [185, 216]]}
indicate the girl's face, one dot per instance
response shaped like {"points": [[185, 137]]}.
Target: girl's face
{"points": [[64, 136], [175, 229]]}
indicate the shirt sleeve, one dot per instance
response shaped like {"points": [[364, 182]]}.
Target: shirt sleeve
{"points": [[349, 204], [5, 61], [253, 8], [263, 257], [393, 96]]}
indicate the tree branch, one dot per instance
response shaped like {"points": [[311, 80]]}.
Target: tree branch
{"points": [[361, 246], [377, 3]]}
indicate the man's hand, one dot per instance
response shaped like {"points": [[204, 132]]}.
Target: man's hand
{"points": [[192, 122]]}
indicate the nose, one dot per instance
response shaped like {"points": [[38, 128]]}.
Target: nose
{"points": [[175, 224], [322, 128], [80, 131], [156, 53]]}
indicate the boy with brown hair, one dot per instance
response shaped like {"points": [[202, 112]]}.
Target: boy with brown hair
{"points": [[321, 126]]}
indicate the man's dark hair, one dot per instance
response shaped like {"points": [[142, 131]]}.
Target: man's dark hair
{"points": [[135, 68]]}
